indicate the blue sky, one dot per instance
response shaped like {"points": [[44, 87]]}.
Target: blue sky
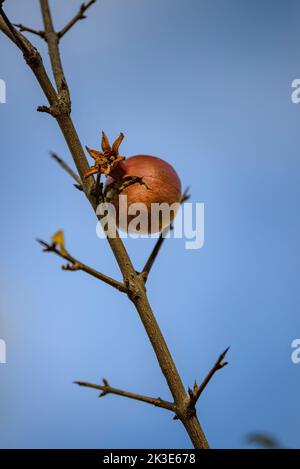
{"points": [[205, 85]]}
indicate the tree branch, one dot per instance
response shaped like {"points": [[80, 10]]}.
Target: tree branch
{"points": [[107, 389], [52, 41], [8, 29], [196, 392], [5, 29], [154, 253], [67, 168], [23, 28], [75, 264], [79, 16]]}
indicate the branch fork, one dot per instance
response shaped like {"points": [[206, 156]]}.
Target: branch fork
{"points": [[79, 16], [190, 403], [196, 391], [42, 34], [57, 247]]}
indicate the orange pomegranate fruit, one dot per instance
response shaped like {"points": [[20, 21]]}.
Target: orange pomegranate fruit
{"points": [[146, 180], [138, 182]]}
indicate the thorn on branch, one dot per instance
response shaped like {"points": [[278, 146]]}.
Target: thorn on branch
{"points": [[46, 247], [197, 390], [105, 391], [186, 195]]}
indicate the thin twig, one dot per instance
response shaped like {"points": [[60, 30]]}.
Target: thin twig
{"points": [[58, 72], [79, 16], [75, 264], [196, 392], [67, 168], [107, 389], [23, 28], [154, 253]]}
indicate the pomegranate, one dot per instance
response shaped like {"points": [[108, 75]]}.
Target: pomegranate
{"points": [[145, 181]]}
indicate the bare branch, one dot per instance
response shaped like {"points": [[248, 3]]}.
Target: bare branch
{"points": [[75, 264], [79, 16], [31, 56], [154, 253], [135, 285], [7, 27], [67, 168], [196, 392], [23, 28], [4, 28], [52, 41], [107, 389]]}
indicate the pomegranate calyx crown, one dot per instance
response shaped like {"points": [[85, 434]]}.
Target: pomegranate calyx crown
{"points": [[106, 160]]}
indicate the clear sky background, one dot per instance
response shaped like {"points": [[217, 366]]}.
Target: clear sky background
{"points": [[206, 85]]}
